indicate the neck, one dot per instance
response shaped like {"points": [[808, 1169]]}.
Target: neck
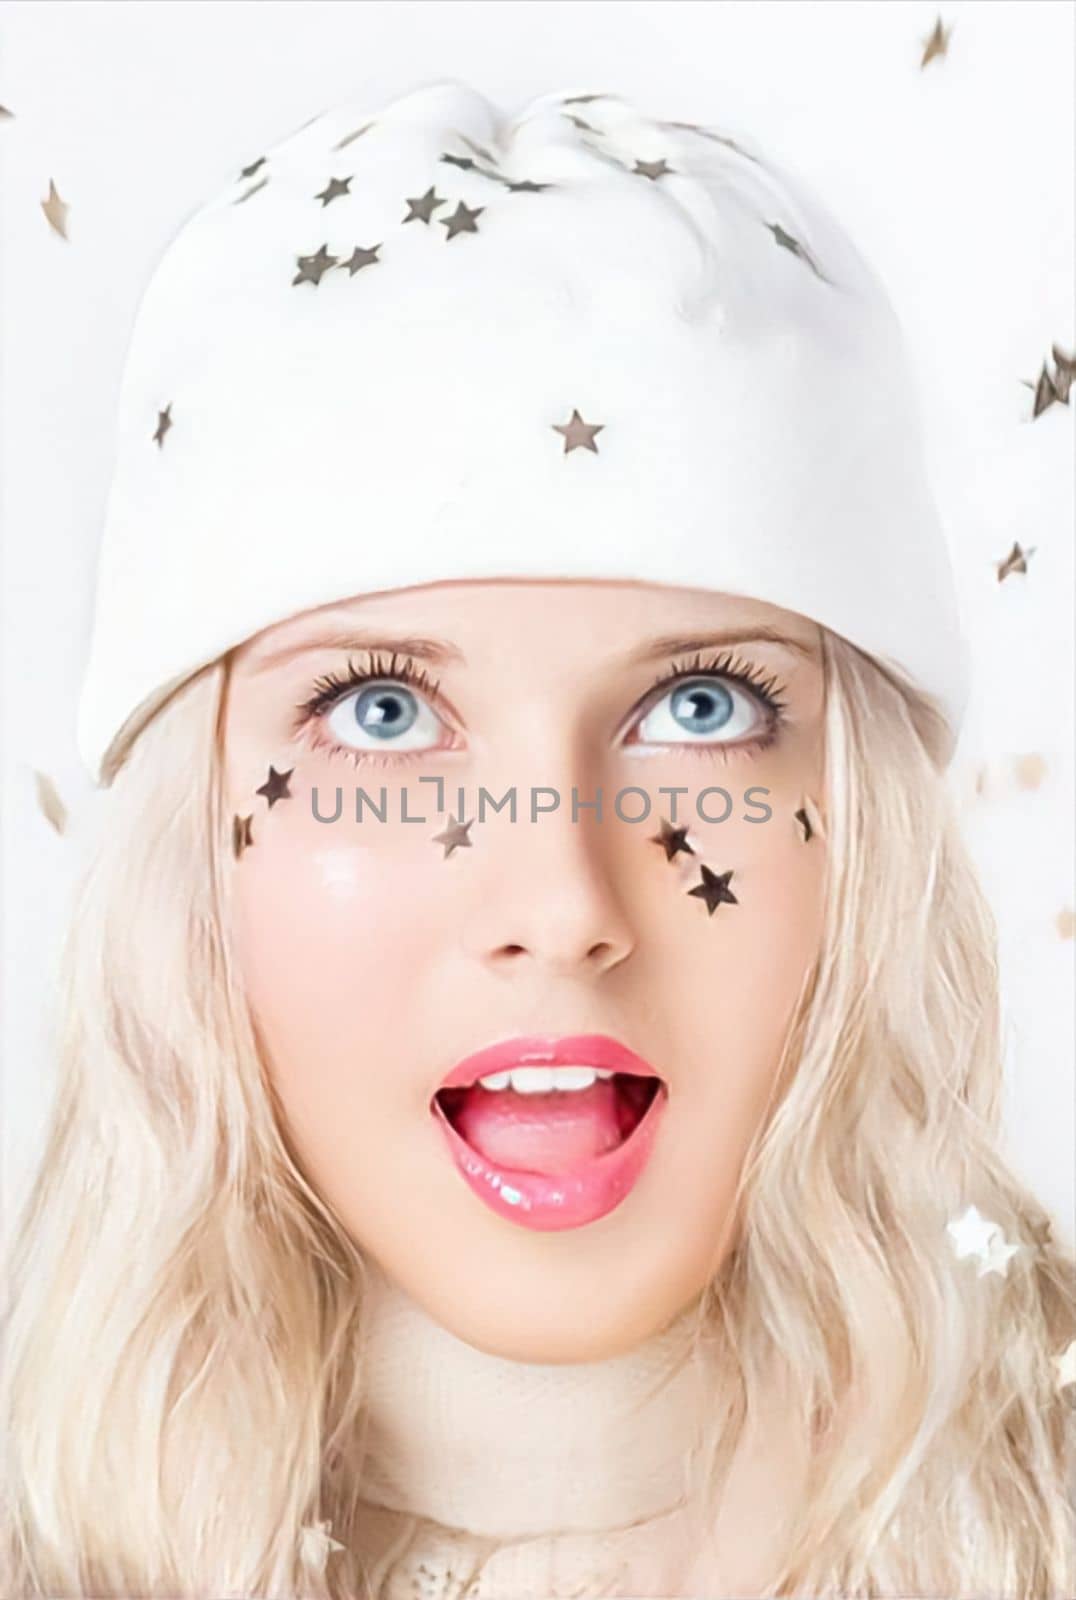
{"points": [[505, 1448]]}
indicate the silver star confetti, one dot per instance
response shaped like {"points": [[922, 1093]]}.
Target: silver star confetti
{"points": [[360, 258], [313, 268], [462, 220], [977, 1236], [333, 190], [164, 422], [454, 836], [652, 169], [578, 435], [422, 209]]}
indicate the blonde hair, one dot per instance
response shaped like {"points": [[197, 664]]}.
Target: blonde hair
{"points": [[180, 1391]]}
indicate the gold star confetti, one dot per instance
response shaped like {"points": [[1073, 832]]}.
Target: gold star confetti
{"points": [[164, 422], [51, 806], [651, 169], [241, 834], [316, 1545], [56, 211], [977, 1236], [672, 840], [578, 435], [313, 268], [809, 819], [275, 786], [248, 172], [360, 258], [422, 209], [937, 45], [1065, 1365], [1030, 771], [1066, 923], [454, 836], [333, 190], [714, 889], [462, 220], [1015, 561]]}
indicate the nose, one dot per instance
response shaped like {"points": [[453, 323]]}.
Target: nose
{"points": [[549, 898]]}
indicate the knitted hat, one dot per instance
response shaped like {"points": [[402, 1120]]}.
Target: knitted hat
{"points": [[423, 342]]}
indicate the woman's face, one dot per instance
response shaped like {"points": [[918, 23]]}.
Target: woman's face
{"points": [[546, 1220]]}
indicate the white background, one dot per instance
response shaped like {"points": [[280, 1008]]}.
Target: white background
{"points": [[956, 181]]}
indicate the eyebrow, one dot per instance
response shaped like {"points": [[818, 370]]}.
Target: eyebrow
{"points": [[440, 651]]}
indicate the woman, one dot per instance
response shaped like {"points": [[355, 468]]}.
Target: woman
{"points": [[530, 1056]]}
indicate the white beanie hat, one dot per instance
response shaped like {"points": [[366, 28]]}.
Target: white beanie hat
{"points": [[418, 342]]}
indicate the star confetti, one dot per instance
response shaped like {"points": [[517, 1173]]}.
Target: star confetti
{"points": [[316, 1545], [1065, 1365], [275, 786], [454, 836], [313, 268], [241, 834], [56, 211], [462, 220], [422, 209], [714, 889], [975, 1235], [787, 242], [1045, 392], [937, 45], [672, 840], [333, 190], [1065, 371], [360, 258], [51, 806], [1015, 561], [579, 434], [652, 169], [810, 820], [164, 422]]}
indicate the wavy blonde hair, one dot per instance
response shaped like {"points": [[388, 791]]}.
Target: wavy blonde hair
{"points": [[180, 1389]]}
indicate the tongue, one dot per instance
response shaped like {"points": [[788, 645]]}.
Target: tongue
{"points": [[554, 1132]]}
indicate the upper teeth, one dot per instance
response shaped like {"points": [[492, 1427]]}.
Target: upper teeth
{"points": [[539, 1080]]}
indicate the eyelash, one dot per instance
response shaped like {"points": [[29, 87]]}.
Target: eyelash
{"points": [[331, 688]]}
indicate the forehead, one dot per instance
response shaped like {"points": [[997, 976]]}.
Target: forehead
{"points": [[463, 620]]}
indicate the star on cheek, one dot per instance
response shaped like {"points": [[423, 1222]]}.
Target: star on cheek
{"points": [[714, 889], [241, 835], [454, 836], [578, 434], [275, 786], [672, 840]]}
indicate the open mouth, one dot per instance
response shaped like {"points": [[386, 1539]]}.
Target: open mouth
{"points": [[549, 1120]]}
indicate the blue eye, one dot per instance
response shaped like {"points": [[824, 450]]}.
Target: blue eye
{"points": [[384, 715], [708, 707]]}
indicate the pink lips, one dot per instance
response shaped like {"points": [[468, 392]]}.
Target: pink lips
{"points": [[548, 1201]]}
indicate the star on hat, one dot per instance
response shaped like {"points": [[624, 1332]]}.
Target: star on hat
{"points": [[360, 258], [313, 268], [333, 190], [579, 434], [462, 220], [422, 209]]}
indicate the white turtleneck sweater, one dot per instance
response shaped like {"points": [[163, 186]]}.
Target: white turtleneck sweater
{"points": [[491, 1479]]}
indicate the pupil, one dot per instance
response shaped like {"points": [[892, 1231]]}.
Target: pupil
{"points": [[381, 712], [707, 706]]}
